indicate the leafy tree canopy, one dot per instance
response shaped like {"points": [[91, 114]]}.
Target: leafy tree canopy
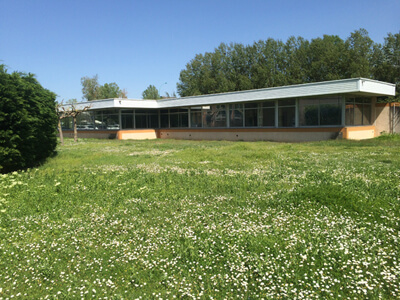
{"points": [[151, 93], [28, 121], [271, 63], [92, 90]]}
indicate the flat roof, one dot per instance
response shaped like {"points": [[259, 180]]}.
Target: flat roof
{"points": [[353, 86]]}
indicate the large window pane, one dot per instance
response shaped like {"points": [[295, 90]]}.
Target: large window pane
{"points": [[287, 113], [164, 118], [330, 112], [153, 120], [179, 117], [308, 112], [174, 120], [214, 116], [98, 120], [320, 111], [236, 115], [268, 117], [286, 116], [251, 117], [358, 111], [268, 114], [66, 123], [195, 117], [127, 119], [141, 121], [85, 120], [366, 114], [349, 114]]}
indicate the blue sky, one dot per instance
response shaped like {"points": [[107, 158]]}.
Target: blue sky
{"points": [[138, 43]]}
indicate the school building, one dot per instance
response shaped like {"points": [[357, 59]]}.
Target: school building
{"points": [[305, 112]]}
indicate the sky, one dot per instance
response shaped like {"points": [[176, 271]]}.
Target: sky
{"points": [[135, 43]]}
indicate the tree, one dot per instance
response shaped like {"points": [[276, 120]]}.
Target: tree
{"points": [[327, 59], [92, 90], [71, 101], [110, 90], [61, 115], [359, 47], [151, 93], [28, 121], [387, 61], [90, 87], [272, 63], [74, 112]]}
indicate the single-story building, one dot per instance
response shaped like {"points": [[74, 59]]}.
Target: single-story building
{"points": [[305, 112]]}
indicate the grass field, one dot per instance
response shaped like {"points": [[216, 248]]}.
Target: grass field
{"points": [[161, 219]]}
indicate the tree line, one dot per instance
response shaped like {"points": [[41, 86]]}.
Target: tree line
{"points": [[271, 63]]}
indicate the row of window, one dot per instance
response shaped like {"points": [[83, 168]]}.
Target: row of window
{"points": [[311, 112]]}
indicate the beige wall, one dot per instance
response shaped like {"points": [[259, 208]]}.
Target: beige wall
{"points": [[382, 120], [138, 134], [387, 118]]}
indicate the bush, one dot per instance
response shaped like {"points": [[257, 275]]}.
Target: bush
{"points": [[28, 121]]}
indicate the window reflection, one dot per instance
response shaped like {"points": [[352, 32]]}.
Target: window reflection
{"points": [[214, 116]]}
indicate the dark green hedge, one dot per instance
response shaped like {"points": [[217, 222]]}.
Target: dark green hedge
{"points": [[28, 121]]}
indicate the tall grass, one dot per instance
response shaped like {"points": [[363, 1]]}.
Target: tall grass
{"points": [[201, 219]]}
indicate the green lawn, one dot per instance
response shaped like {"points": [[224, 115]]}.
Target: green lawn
{"points": [[110, 219]]}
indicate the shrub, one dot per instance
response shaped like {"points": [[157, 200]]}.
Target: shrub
{"points": [[28, 121]]}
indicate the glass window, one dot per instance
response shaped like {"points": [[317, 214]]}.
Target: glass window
{"points": [[268, 114], [287, 113], [179, 117], [127, 119], [195, 117], [320, 111], [214, 116], [268, 104], [85, 120], [268, 117], [250, 105], [309, 112], [98, 121], [251, 117], [66, 123], [153, 120], [164, 118], [358, 111], [330, 111], [141, 121], [349, 114], [236, 115], [110, 119], [184, 118]]}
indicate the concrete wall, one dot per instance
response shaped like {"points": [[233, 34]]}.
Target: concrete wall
{"points": [[387, 118], [382, 120], [359, 132], [95, 134], [137, 134], [237, 134], [260, 134]]}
